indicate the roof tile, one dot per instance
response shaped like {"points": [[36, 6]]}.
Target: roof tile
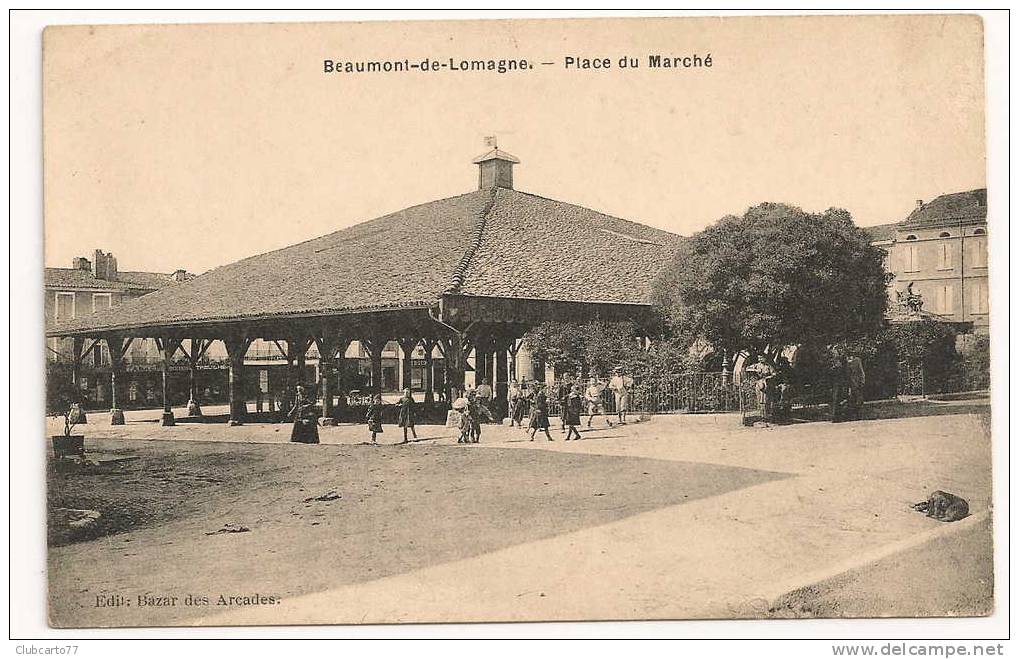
{"points": [[494, 242]]}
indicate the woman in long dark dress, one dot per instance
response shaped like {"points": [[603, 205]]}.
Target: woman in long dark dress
{"points": [[406, 408], [305, 429], [563, 388], [539, 413], [374, 417]]}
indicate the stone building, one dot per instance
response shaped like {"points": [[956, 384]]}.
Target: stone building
{"points": [[92, 287], [939, 255]]}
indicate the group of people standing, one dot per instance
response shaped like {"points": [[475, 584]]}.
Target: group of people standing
{"points": [[525, 400], [573, 397], [843, 375], [405, 416]]}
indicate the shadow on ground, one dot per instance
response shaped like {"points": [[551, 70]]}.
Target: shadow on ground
{"points": [[400, 508], [896, 410], [224, 419], [952, 576]]}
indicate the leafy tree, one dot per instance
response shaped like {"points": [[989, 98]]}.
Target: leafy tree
{"points": [[776, 276], [60, 392], [975, 356], [557, 344], [597, 347], [608, 345], [929, 344]]}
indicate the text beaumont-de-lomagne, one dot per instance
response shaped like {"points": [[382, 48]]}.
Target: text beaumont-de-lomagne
{"points": [[427, 64]]}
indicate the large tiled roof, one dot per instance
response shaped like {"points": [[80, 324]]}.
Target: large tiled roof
{"points": [[968, 207], [494, 242], [125, 281], [949, 209], [533, 247]]}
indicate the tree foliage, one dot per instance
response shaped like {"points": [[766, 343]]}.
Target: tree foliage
{"points": [[598, 347], [60, 392], [776, 276]]}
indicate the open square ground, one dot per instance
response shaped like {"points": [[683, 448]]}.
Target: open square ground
{"points": [[676, 517]]}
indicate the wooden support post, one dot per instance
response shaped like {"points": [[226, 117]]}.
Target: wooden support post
{"points": [[454, 354], [79, 417], [325, 342], [198, 348], [78, 344], [407, 348], [167, 348], [514, 348], [236, 347], [482, 357], [374, 345], [501, 388], [329, 344], [117, 345], [326, 368], [302, 344], [429, 347]]}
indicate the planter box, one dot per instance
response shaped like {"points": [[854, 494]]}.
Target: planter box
{"points": [[68, 446]]}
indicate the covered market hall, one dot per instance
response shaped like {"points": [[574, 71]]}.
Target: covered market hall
{"points": [[466, 275]]}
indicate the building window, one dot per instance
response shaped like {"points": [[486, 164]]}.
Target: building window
{"points": [[910, 237], [979, 232], [101, 301], [943, 303], [978, 249], [65, 306], [944, 255], [912, 254], [978, 297]]}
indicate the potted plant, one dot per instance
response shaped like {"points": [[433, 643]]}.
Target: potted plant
{"points": [[65, 402]]}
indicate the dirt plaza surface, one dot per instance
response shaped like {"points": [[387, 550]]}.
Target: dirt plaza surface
{"points": [[675, 517]]}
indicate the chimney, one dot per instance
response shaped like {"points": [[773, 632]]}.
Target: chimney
{"points": [[919, 204], [81, 263], [104, 266], [179, 275], [495, 169]]}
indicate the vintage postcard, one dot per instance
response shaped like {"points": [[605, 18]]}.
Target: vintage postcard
{"points": [[517, 320]]}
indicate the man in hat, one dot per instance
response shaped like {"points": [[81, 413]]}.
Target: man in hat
{"points": [[620, 385], [485, 395]]}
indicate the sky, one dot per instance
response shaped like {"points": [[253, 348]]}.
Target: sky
{"points": [[193, 146]]}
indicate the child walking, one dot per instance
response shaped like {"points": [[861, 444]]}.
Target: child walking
{"points": [[406, 422], [574, 405], [374, 417]]}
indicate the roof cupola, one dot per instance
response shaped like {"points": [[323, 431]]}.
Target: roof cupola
{"points": [[495, 168]]}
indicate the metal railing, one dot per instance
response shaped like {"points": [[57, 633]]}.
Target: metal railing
{"points": [[675, 393]]}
